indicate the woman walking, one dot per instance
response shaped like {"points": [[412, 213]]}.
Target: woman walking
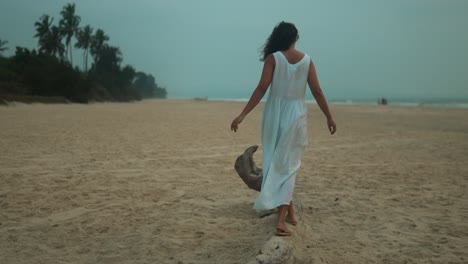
{"points": [[284, 122]]}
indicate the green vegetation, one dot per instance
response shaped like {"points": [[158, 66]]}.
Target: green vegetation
{"points": [[49, 71], [3, 46]]}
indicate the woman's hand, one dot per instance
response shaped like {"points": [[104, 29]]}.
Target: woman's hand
{"points": [[331, 126], [235, 123]]}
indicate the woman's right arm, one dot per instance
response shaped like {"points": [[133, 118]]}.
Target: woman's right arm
{"points": [[259, 92], [320, 97]]}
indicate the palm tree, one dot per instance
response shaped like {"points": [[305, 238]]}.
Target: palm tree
{"points": [[43, 27], [50, 37], [53, 42], [2, 45], [69, 26], [98, 43], [85, 38]]}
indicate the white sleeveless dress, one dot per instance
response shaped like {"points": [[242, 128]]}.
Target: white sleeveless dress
{"points": [[284, 132]]}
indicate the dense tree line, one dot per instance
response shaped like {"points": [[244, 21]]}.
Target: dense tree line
{"points": [[49, 70]]}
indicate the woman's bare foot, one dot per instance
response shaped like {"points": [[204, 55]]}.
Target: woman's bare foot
{"points": [[283, 232], [281, 226], [291, 220]]}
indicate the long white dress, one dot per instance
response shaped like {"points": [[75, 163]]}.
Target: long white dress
{"points": [[284, 132]]}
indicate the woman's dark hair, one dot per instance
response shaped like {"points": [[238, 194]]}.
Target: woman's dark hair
{"points": [[283, 36]]}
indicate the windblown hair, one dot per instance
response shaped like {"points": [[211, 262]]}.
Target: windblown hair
{"points": [[283, 36]]}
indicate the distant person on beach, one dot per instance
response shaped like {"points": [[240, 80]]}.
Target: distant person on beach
{"points": [[284, 122]]}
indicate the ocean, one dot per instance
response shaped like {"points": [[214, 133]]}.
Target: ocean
{"points": [[451, 103]]}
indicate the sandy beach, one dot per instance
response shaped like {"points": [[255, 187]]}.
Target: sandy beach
{"points": [[154, 182]]}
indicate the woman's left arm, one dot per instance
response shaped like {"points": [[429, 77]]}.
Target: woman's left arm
{"points": [[259, 92]]}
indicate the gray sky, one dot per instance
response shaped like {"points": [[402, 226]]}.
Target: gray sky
{"points": [[361, 48]]}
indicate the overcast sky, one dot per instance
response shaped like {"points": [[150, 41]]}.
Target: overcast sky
{"points": [[361, 48]]}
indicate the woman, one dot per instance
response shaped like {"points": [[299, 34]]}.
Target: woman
{"points": [[284, 123]]}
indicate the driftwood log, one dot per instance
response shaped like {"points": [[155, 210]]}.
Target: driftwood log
{"points": [[247, 170], [252, 176]]}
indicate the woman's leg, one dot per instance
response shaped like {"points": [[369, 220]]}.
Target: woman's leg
{"points": [[291, 217], [281, 225]]}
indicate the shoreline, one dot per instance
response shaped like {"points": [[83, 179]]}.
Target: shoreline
{"points": [[8, 99]]}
